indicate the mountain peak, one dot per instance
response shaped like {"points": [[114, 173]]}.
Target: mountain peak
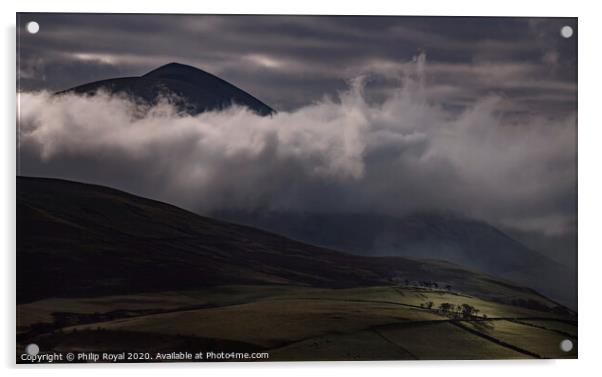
{"points": [[177, 69], [176, 64], [195, 91]]}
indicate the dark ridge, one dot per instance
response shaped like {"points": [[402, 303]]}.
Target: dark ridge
{"points": [[435, 235], [190, 89], [84, 240]]}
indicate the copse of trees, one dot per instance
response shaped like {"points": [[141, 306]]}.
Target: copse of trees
{"points": [[447, 308], [423, 283], [428, 284], [420, 283], [464, 311], [468, 311]]}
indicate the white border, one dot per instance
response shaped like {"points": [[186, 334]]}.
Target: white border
{"points": [[551, 8], [590, 165]]}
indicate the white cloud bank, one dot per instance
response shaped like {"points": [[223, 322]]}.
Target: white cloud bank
{"points": [[344, 154]]}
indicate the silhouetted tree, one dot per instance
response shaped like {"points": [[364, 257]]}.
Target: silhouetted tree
{"points": [[467, 311], [446, 307]]}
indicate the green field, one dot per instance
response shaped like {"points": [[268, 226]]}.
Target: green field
{"points": [[297, 323], [541, 342]]}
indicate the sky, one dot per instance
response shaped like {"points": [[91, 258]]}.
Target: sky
{"points": [[387, 114], [291, 61]]}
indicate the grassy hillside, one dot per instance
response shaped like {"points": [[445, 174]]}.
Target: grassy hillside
{"points": [[105, 271], [80, 240], [425, 235]]}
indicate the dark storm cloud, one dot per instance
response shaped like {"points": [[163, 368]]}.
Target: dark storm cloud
{"points": [[485, 123], [293, 60]]}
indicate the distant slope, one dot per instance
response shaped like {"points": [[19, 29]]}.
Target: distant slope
{"points": [[444, 236], [192, 90], [81, 240]]}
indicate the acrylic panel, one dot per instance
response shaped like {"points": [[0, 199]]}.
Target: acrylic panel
{"points": [[255, 188]]}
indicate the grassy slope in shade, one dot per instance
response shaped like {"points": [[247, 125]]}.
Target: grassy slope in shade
{"points": [[428, 235], [81, 240]]}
